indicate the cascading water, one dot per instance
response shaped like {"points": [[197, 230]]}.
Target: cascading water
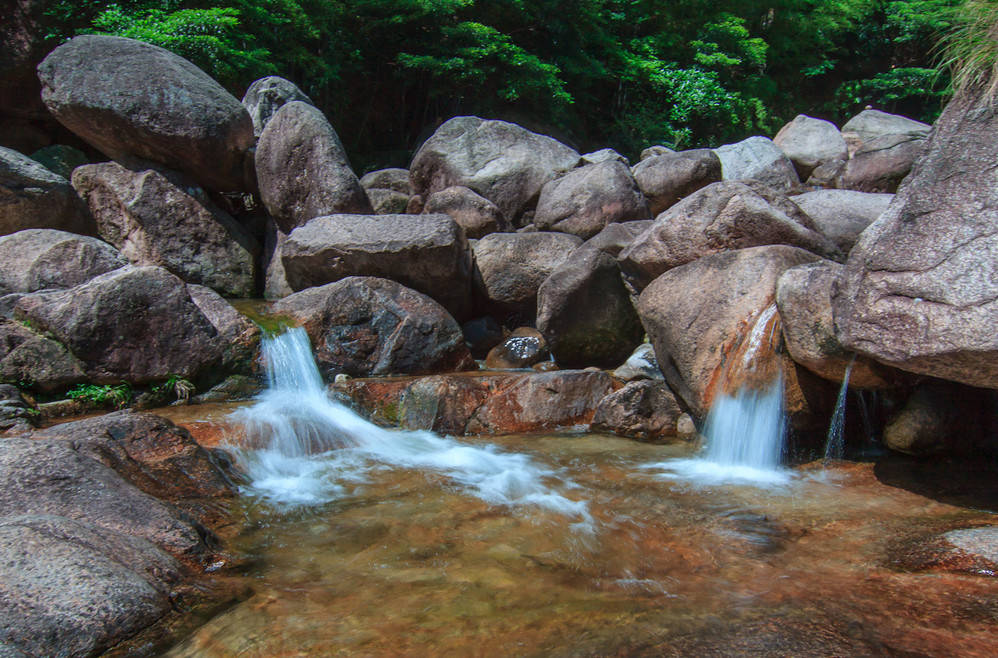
{"points": [[303, 448], [835, 445]]}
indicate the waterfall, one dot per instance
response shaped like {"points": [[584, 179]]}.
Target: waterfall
{"points": [[835, 444], [301, 448]]}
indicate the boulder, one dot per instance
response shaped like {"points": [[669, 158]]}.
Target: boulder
{"points": [[713, 322], [804, 299], [843, 214], [584, 309], [825, 175], [240, 335], [881, 164], [275, 281], [524, 348], [428, 253], [387, 202], [32, 360], [917, 292], [39, 259], [871, 124], [641, 364], [757, 158], [31, 196], [135, 324], [388, 179], [302, 169], [474, 213], [643, 410], [510, 268], [939, 416], [155, 216], [363, 326], [60, 159], [16, 415], [665, 179], [589, 198], [126, 97], [721, 217], [506, 164], [73, 588], [810, 142], [657, 149], [603, 155], [267, 95]]}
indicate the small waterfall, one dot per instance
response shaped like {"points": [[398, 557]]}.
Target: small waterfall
{"points": [[302, 448], [835, 444]]}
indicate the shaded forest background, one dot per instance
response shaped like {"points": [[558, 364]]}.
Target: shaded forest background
{"points": [[593, 73]]}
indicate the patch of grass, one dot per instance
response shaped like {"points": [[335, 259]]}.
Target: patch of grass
{"points": [[179, 388], [970, 51], [119, 396]]}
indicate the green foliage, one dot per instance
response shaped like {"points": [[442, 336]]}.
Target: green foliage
{"points": [[175, 388], [970, 50], [119, 396]]}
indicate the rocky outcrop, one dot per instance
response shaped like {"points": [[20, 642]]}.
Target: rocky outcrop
{"points": [[810, 142], [303, 171], [757, 158], [586, 200], [721, 217], [155, 216], [881, 164], [665, 179], [506, 164], [31, 196], [39, 259], [510, 268], [427, 253], [915, 294], [643, 410], [474, 213], [267, 95], [365, 326], [126, 97], [842, 215]]}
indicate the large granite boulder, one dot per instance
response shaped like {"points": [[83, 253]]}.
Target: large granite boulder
{"points": [[871, 124], [644, 410], [721, 217], [842, 215], [267, 95], [34, 361], [584, 201], [713, 322], [810, 142], [510, 268], [31, 196], [135, 324], [302, 169], [126, 97], [881, 164], [584, 309], [428, 253], [363, 326], [505, 163], [757, 158], [155, 216], [667, 178], [919, 291], [474, 213], [39, 259]]}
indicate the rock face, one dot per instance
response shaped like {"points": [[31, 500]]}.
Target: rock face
{"points": [[474, 213], [881, 164], [510, 268], [267, 95], [126, 97], [643, 410], [31, 196], [427, 253], [239, 334], [914, 294], [302, 169], [135, 324], [39, 259], [757, 158], [721, 217], [158, 217], [364, 326], [804, 299], [712, 321], [587, 199], [843, 214], [665, 179], [871, 124], [810, 142], [583, 308], [506, 164], [32, 360]]}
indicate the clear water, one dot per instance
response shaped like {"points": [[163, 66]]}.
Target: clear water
{"points": [[835, 443]]}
